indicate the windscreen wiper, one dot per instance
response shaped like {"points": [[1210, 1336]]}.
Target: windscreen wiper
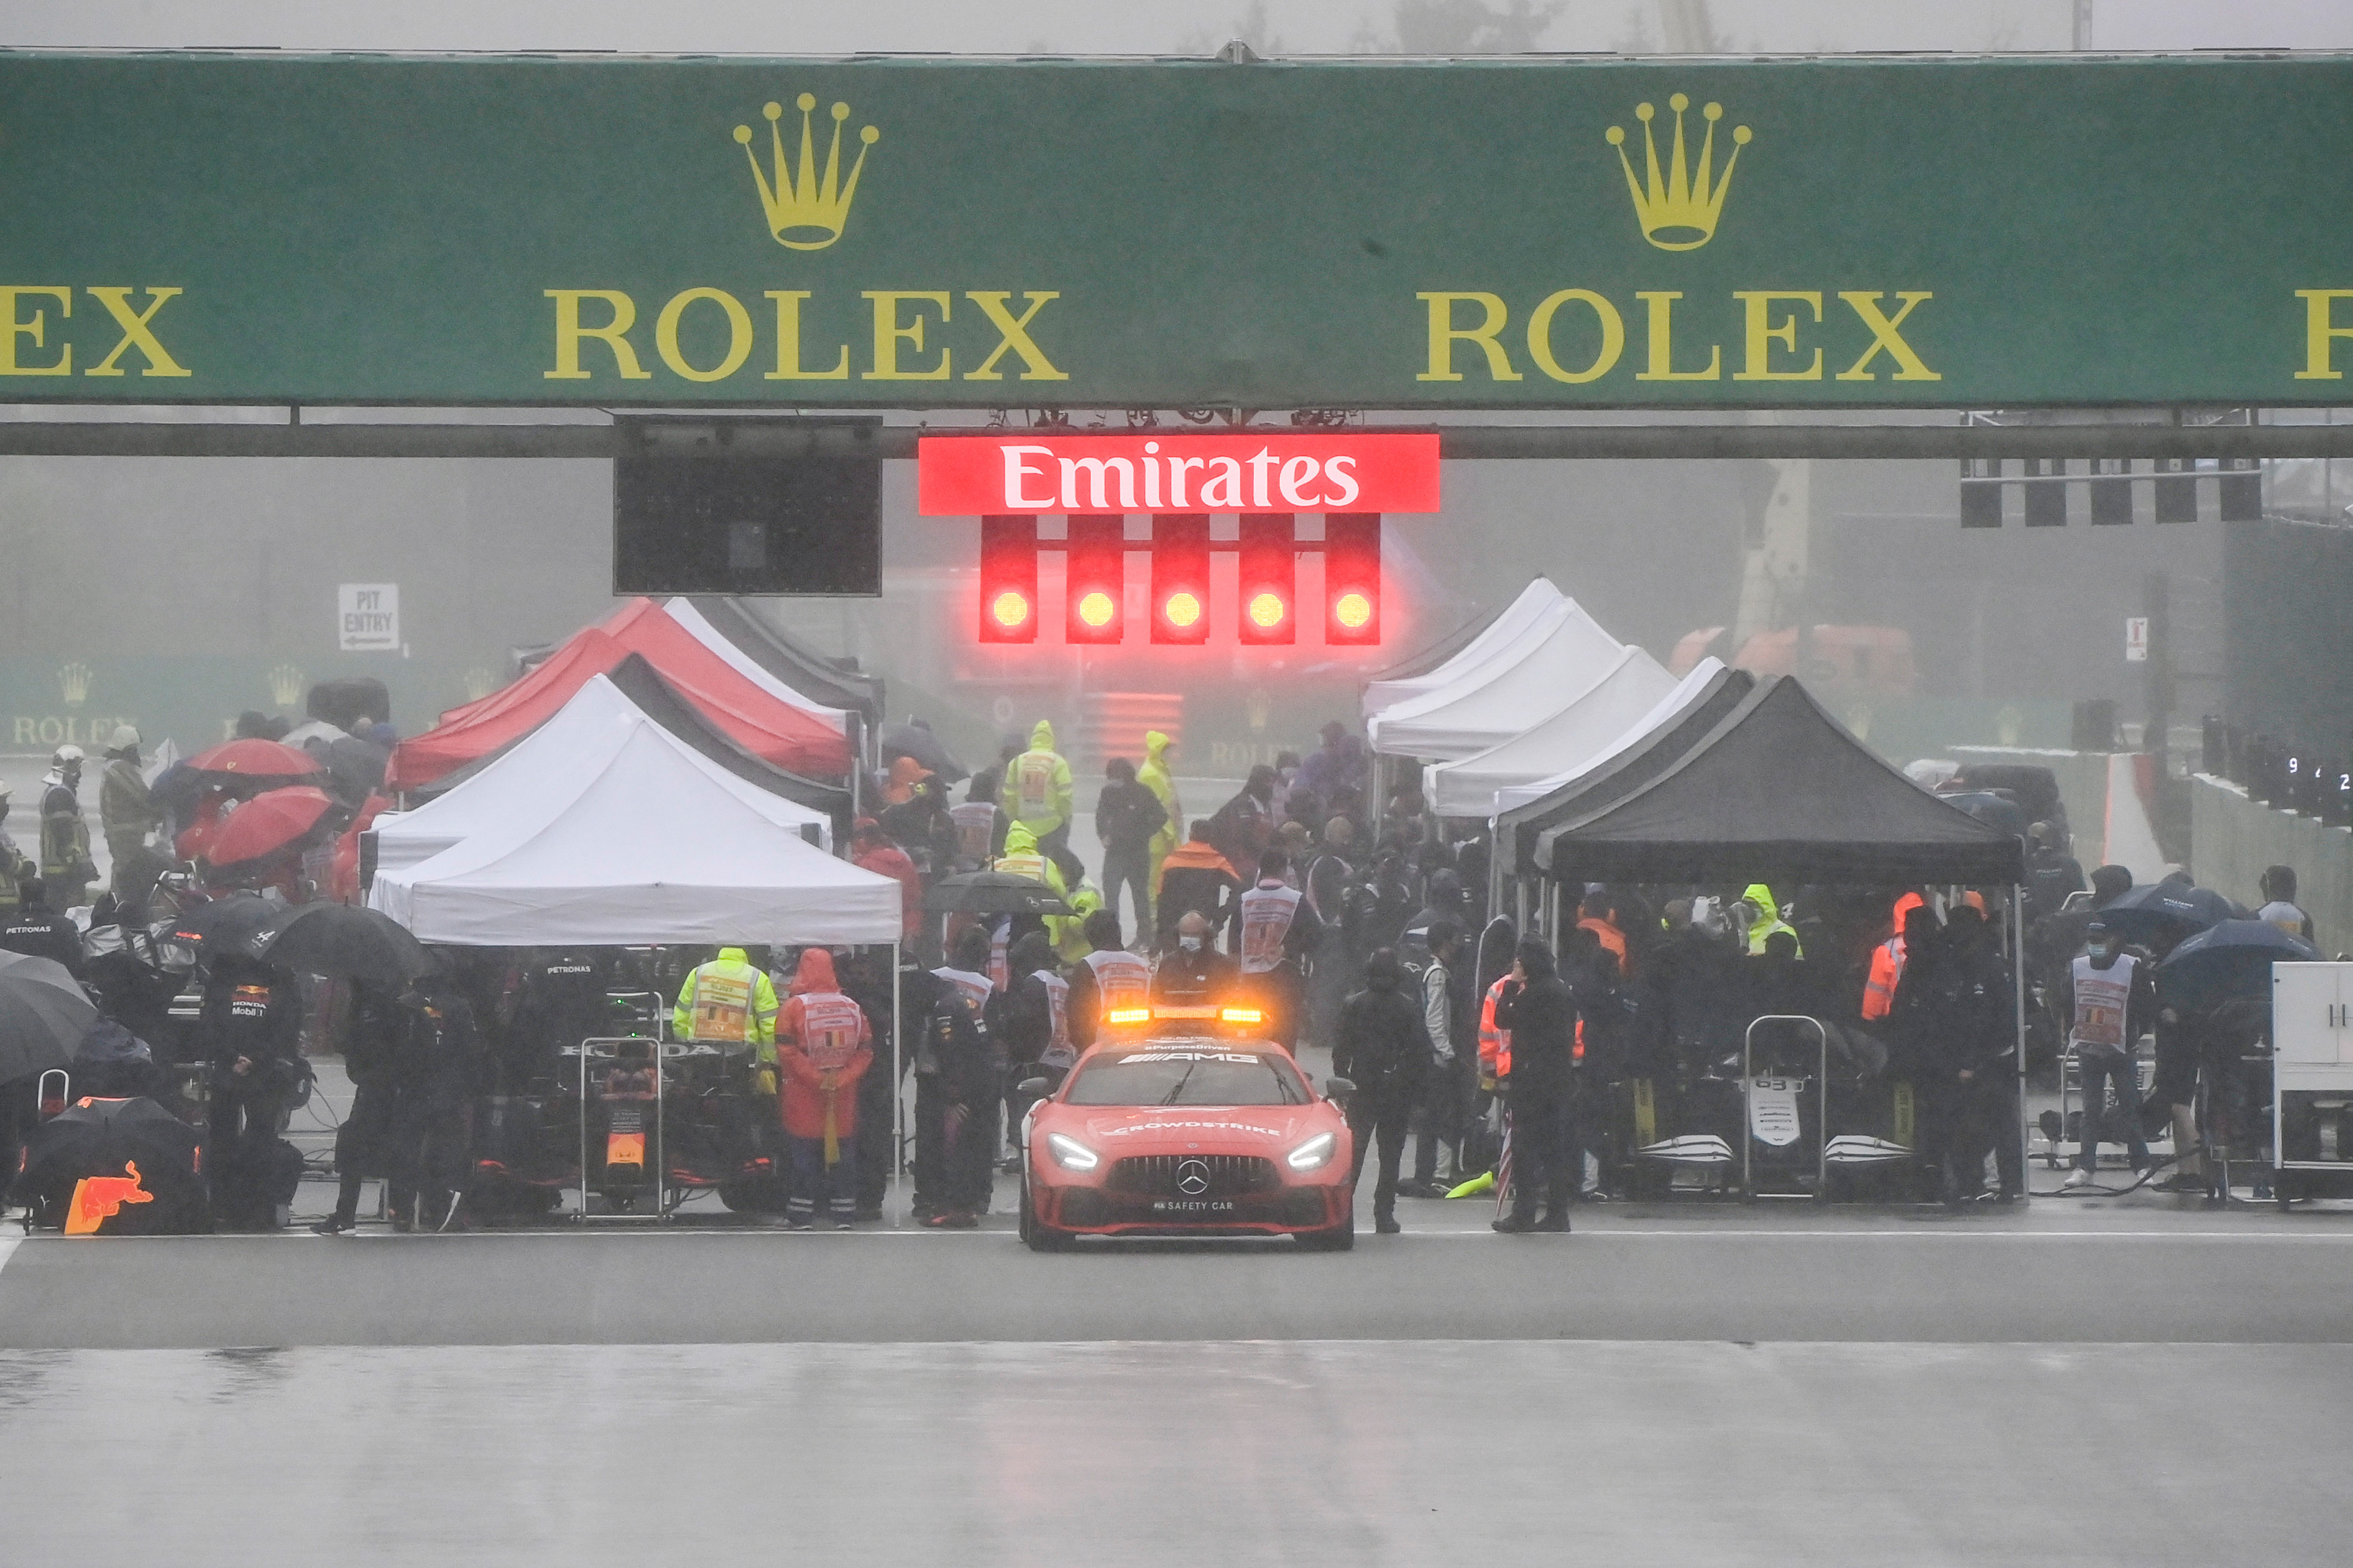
{"points": [[1178, 1086]]}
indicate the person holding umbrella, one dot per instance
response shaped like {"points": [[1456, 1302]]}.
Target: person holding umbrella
{"points": [[252, 1022], [368, 1143]]}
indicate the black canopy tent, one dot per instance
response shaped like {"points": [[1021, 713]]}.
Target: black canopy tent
{"points": [[1780, 792], [1518, 830], [807, 671]]}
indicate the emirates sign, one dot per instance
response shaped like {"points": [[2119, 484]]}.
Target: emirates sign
{"points": [[1027, 473]]}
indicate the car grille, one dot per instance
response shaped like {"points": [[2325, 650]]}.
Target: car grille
{"points": [[1164, 1176]]}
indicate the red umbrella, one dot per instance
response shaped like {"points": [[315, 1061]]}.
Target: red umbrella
{"points": [[268, 822], [256, 759]]}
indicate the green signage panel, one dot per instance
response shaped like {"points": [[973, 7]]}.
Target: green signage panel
{"points": [[897, 233]]}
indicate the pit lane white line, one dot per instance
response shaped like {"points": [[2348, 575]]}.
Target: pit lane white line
{"points": [[1366, 1239], [8, 1244]]}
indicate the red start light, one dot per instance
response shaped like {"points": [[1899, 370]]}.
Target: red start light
{"points": [[1096, 609], [1352, 611], [1182, 610], [1009, 580], [1267, 611]]}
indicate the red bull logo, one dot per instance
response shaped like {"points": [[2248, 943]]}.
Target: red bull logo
{"points": [[98, 1199]]}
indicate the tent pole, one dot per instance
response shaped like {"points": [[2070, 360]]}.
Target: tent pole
{"points": [[2017, 988], [897, 1093], [1494, 867]]}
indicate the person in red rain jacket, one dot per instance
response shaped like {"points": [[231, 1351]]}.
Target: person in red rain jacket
{"points": [[873, 850], [824, 1046]]}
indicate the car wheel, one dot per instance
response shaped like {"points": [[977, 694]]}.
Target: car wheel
{"points": [[1036, 1236], [1340, 1238]]}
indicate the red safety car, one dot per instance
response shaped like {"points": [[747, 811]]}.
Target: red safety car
{"points": [[1161, 1133]]}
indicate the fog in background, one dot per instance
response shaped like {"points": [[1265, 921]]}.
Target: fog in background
{"points": [[173, 591]]}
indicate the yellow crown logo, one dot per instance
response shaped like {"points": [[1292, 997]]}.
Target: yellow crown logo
{"points": [[805, 213], [286, 684], [1679, 212], [73, 683]]}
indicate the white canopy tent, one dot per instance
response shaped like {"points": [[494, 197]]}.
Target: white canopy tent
{"points": [[697, 627], [1493, 702], [548, 769], [1565, 739], [1531, 613], [652, 849], [1508, 796]]}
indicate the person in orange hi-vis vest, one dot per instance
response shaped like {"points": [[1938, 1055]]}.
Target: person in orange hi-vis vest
{"points": [[1887, 964], [824, 1046]]}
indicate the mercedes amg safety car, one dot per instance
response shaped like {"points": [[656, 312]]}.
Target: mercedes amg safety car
{"points": [[1158, 1132]]}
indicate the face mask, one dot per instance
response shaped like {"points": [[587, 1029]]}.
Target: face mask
{"points": [[1189, 943]]}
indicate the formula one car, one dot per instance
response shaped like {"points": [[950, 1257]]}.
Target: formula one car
{"points": [[1163, 1133]]}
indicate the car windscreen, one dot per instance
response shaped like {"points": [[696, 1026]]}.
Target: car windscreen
{"points": [[1187, 1075]]}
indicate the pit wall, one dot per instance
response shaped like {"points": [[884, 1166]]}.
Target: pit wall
{"points": [[2232, 838]]}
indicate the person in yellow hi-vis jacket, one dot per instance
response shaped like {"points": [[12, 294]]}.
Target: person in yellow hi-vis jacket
{"points": [[1156, 776], [729, 1002]]}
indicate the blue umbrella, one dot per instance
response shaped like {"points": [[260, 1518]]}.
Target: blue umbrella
{"points": [[2162, 911], [2226, 961]]}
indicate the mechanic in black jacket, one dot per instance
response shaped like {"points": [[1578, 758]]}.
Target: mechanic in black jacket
{"points": [[1540, 1010], [1383, 1047], [251, 1025], [37, 931], [1976, 1031]]}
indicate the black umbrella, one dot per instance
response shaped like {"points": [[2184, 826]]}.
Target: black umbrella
{"points": [[44, 1012], [114, 1167], [993, 893], [230, 924], [2159, 911], [2231, 960], [914, 741], [344, 941]]}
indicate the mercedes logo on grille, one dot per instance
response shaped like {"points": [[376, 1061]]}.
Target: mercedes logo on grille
{"points": [[1193, 1177]]}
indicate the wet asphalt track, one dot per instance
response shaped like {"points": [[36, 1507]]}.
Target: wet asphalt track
{"points": [[2098, 1383]]}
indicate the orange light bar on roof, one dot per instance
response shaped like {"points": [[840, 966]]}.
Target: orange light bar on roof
{"points": [[1128, 1016], [1183, 1012], [1241, 1015]]}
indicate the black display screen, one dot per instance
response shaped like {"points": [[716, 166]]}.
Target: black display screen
{"points": [[687, 524]]}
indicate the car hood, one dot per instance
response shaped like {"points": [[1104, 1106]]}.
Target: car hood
{"points": [[1235, 1130]]}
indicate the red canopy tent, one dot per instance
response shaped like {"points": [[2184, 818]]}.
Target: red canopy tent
{"points": [[774, 731]]}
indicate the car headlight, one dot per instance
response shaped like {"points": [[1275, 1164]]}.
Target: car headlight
{"points": [[1071, 1154], [1312, 1153]]}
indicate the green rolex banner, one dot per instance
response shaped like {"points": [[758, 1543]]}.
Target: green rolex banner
{"points": [[1490, 233]]}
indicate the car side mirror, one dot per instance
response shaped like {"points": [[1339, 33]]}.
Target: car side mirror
{"points": [[1034, 1085], [1336, 1086]]}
